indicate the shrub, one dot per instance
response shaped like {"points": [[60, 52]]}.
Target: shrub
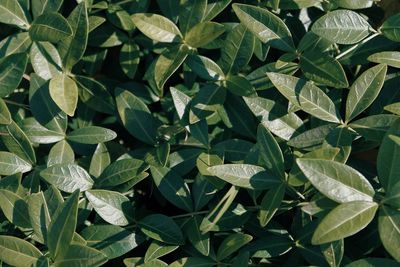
{"points": [[199, 133]]}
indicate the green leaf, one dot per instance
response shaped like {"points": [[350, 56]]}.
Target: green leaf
{"points": [[345, 220], [391, 29], [17, 252], [112, 240], [12, 69], [100, 160], [245, 175], [200, 241], [172, 187], [111, 206], [333, 252], [43, 108], [306, 96], [214, 7], [39, 216], [237, 50], [231, 244], [51, 27], [121, 171], [206, 102], [14, 208], [79, 256], [157, 250], [323, 69], [95, 94], [365, 90], [67, 177], [12, 13], [274, 117], [157, 27], [240, 86], [136, 117], [72, 48], [389, 230], [269, 28], [165, 65], [161, 228], [91, 135], [129, 58], [336, 181], [205, 67], [11, 164], [61, 153], [390, 58], [204, 33], [388, 155], [64, 92], [191, 14], [342, 27], [17, 142], [44, 6], [270, 204], [270, 152], [62, 227], [39, 134], [16, 43], [45, 60], [373, 127]]}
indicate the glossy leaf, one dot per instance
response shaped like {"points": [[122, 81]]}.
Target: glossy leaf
{"points": [[16, 251], [266, 26], [364, 90], [161, 228], [51, 27], [342, 27], [112, 207], [67, 177], [336, 181], [306, 95], [245, 175], [12, 69], [64, 92], [345, 220], [157, 27], [62, 227]]}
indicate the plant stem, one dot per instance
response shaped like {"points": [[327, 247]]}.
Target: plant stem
{"points": [[356, 45]]}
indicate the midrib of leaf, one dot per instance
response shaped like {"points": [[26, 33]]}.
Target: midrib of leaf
{"points": [[15, 16], [19, 253], [20, 145], [322, 70], [237, 46], [19, 45], [11, 67], [184, 202], [17, 210], [346, 220], [129, 107], [391, 220], [316, 107], [118, 173], [50, 27], [198, 234], [361, 94], [340, 182], [154, 229]]}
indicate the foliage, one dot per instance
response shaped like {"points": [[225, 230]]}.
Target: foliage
{"points": [[199, 133]]}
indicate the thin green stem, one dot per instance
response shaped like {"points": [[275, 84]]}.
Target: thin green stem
{"points": [[356, 45]]}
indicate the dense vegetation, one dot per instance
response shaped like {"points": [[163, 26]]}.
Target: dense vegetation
{"points": [[199, 133]]}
